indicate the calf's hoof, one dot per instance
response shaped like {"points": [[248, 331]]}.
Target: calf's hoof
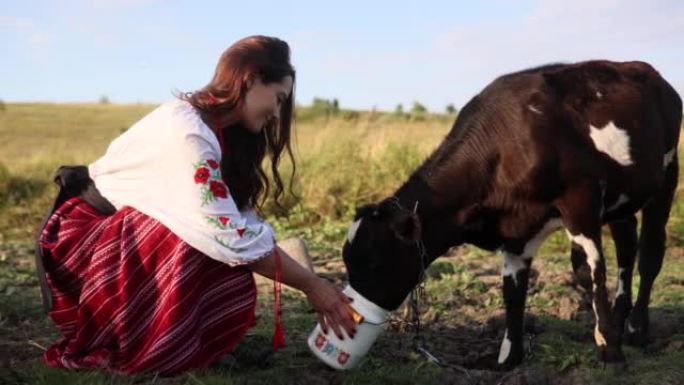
{"points": [[509, 361], [616, 367], [636, 337], [611, 356]]}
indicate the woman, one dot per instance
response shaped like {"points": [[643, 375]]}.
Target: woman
{"points": [[165, 283]]}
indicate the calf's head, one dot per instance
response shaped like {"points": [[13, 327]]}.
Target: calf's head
{"points": [[382, 253]]}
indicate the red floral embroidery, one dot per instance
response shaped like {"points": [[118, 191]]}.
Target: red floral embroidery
{"points": [[218, 189], [202, 174], [224, 220], [208, 176], [342, 358], [241, 231]]}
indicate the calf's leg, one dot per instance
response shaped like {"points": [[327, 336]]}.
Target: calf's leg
{"points": [[651, 251], [516, 273], [580, 208]]}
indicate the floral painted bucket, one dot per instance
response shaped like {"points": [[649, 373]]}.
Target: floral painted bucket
{"points": [[347, 353]]}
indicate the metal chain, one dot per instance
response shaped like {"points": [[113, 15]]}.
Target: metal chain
{"points": [[417, 297]]}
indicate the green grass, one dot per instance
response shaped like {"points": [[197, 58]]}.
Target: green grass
{"points": [[343, 162]]}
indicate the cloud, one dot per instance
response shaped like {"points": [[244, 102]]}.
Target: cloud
{"points": [[20, 23], [558, 31], [457, 61], [581, 29], [27, 28]]}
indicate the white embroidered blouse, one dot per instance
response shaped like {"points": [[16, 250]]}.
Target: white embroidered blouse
{"points": [[167, 167]]}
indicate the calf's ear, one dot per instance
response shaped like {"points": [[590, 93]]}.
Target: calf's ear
{"points": [[406, 226]]}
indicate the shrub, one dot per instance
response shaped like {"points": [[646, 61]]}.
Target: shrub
{"points": [[418, 112], [17, 189]]}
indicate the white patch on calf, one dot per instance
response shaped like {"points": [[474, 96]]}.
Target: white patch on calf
{"points": [[512, 265], [593, 258], [534, 109], [505, 349], [622, 199], [612, 141], [669, 157], [599, 95], [352, 230], [598, 337], [590, 251], [533, 244]]}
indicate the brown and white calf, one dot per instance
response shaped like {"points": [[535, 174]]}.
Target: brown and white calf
{"points": [[561, 146]]}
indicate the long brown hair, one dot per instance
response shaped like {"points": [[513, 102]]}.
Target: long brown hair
{"points": [[244, 152]]}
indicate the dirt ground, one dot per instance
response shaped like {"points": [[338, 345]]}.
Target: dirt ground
{"points": [[464, 339], [461, 330]]}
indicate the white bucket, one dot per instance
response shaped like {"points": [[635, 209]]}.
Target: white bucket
{"points": [[347, 353]]}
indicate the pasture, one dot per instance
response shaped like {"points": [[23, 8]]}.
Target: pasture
{"points": [[342, 161]]}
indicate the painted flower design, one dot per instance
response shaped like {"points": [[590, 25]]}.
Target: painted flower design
{"points": [[320, 340], [343, 358]]}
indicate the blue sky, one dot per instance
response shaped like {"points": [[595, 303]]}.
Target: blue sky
{"points": [[365, 53]]}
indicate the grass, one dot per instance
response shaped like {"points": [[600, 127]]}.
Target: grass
{"points": [[342, 163]]}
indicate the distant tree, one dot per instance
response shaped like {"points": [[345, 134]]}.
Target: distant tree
{"points": [[418, 108], [104, 99], [450, 109], [418, 111], [335, 106], [322, 106], [319, 103], [399, 110]]}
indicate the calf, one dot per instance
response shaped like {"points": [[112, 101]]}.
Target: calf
{"points": [[560, 146]]}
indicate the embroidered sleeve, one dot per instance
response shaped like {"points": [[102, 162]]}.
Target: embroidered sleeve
{"points": [[204, 211], [208, 176], [168, 167], [243, 236]]}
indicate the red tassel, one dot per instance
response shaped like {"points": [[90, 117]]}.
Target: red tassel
{"points": [[278, 337], [278, 332]]}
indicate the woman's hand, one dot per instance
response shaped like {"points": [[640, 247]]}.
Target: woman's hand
{"points": [[332, 307]]}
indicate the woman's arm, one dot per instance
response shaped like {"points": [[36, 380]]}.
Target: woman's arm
{"points": [[330, 304]]}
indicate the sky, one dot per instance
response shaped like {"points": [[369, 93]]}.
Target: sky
{"points": [[367, 54]]}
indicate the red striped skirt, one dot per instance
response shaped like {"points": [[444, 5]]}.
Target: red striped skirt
{"points": [[130, 296]]}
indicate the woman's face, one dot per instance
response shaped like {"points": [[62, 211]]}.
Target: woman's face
{"points": [[263, 102]]}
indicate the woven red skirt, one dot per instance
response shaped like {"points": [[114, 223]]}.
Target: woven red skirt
{"points": [[130, 296]]}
